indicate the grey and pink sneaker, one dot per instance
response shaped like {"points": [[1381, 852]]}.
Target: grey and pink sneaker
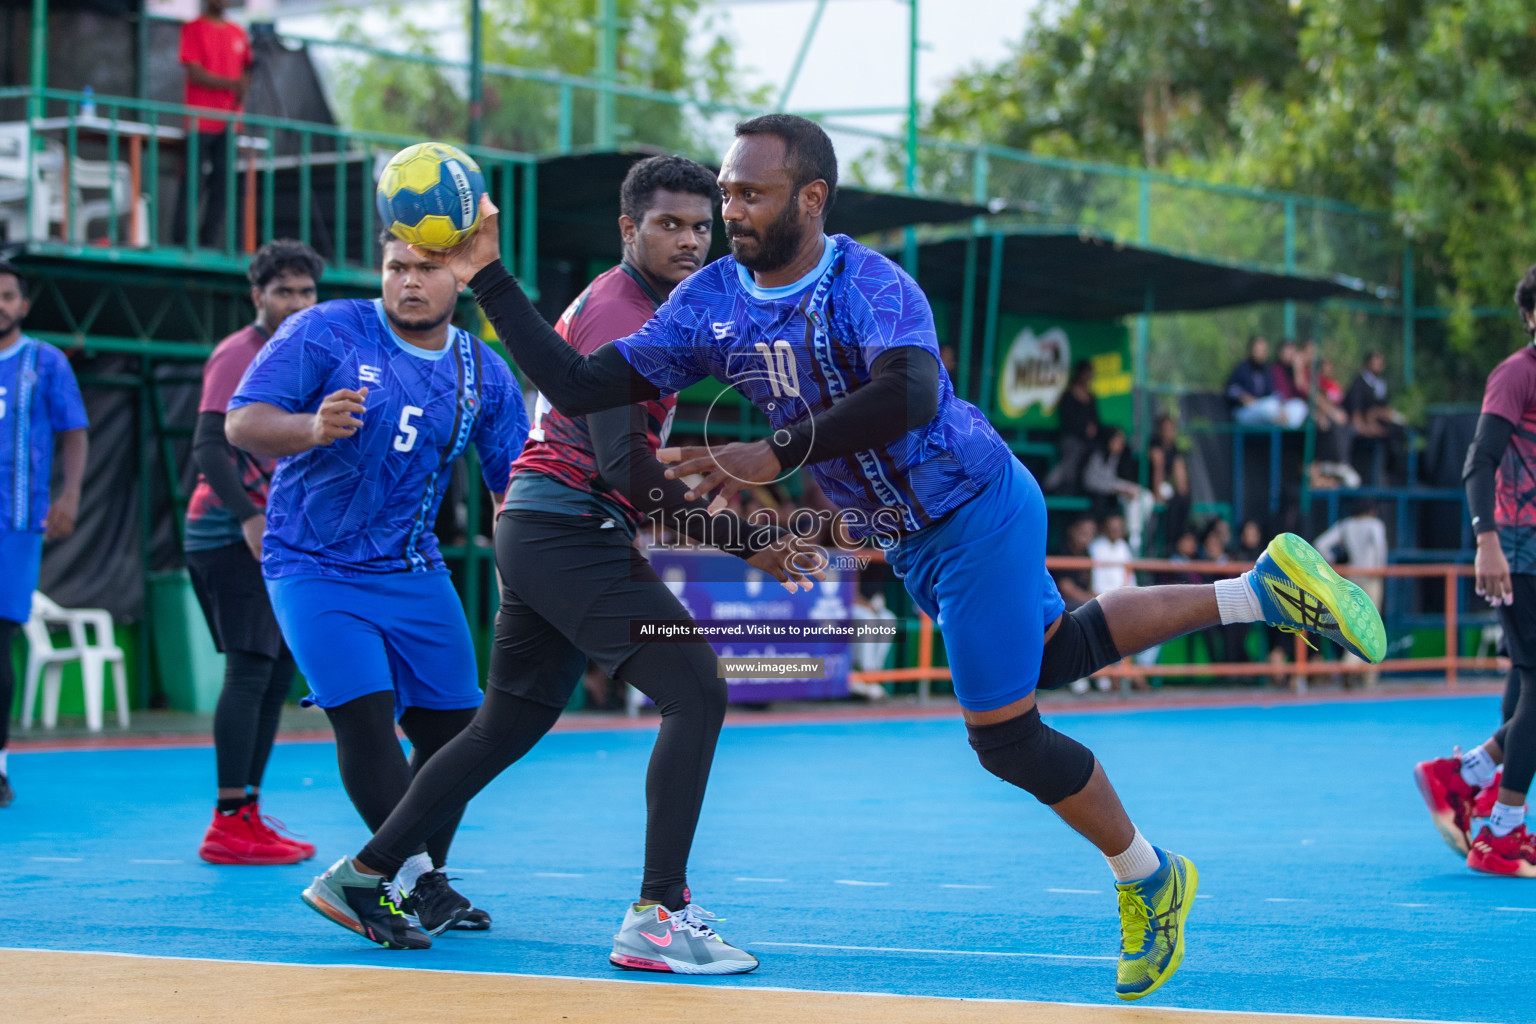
{"points": [[654, 938]]}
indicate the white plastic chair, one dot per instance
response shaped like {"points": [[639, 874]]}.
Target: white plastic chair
{"points": [[45, 662]]}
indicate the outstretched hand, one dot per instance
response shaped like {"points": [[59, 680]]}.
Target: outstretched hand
{"points": [[476, 252], [727, 468]]}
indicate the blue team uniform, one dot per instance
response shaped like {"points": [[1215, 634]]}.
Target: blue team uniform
{"points": [[351, 562], [38, 399], [970, 520]]}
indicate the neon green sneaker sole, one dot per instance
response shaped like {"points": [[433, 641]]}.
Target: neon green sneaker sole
{"points": [[1346, 614]]}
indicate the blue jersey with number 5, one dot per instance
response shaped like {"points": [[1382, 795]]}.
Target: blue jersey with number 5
{"points": [[365, 504], [795, 351]]}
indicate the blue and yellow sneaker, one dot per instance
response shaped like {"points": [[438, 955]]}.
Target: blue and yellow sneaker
{"points": [[1152, 913], [1298, 590]]}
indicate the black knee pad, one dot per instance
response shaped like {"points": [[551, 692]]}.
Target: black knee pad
{"points": [[1033, 756], [1080, 647]]}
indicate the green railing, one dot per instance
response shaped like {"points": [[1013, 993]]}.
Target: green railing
{"points": [[108, 173]]}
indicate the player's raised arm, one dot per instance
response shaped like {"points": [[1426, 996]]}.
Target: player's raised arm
{"points": [[573, 383]]}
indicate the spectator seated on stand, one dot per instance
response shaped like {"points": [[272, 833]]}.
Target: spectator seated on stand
{"points": [[1330, 467], [1077, 417], [1251, 392], [1076, 585], [1227, 643], [1109, 478]]}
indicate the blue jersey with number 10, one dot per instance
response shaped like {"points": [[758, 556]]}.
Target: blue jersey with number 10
{"points": [[795, 351], [365, 504]]}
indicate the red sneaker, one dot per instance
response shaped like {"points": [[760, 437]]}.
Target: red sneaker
{"points": [[275, 831], [231, 839], [1513, 855], [1482, 807], [1449, 799]]}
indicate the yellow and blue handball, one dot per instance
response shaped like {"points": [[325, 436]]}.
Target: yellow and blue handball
{"points": [[429, 195]]}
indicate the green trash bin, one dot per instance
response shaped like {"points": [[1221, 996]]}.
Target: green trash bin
{"points": [[191, 669]]}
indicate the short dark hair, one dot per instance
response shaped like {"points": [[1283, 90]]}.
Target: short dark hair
{"points": [[282, 256], [1525, 297], [9, 268], [806, 148], [664, 173]]}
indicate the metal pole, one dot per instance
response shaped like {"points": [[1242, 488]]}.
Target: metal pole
{"points": [[1139, 368], [39, 56], [1290, 266], [805, 45], [476, 71], [1408, 315], [909, 247], [607, 70]]}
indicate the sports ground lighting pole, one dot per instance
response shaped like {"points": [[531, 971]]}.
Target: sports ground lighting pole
{"points": [[607, 70], [909, 248]]}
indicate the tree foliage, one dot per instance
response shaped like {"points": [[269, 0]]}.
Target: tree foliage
{"points": [[1421, 108], [670, 46]]}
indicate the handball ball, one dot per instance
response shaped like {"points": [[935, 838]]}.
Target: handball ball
{"points": [[429, 195]]}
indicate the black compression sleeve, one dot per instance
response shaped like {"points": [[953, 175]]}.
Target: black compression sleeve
{"points": [[573, 383], [902, 394], [1483, 458], [216, 460], [625, 462]]}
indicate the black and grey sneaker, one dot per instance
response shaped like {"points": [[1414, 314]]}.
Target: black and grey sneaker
{"points": [[476, 920], [7, 794], [367, 904], [435, 903]]}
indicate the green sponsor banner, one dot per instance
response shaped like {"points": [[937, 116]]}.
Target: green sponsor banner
{"points": [[1035, 357]]}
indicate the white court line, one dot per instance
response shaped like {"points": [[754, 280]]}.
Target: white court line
{"points": [[1080, 892], [855, 881], [625, 979], [951, 885], [743, 879], [60, 860], [1518, 910], [469, 871], [1413, 904], [557, 874], [935, 952], [1282, 899], [152, 860], [1203, 896]]}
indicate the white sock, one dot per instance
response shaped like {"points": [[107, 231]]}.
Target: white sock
{"points": [[411, 870], [1477, 768], [1505, 819], [2, 761], [1138, 861], [1237, 601]]}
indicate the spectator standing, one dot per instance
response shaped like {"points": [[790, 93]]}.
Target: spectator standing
{"points": [[1169, 468], [1077, 418], [40, 409], [1112, 552], [1372, 418], [1361, 540], [1226, 642], [226, 518], [1076, 585], [216, 55], [1251, 392]]}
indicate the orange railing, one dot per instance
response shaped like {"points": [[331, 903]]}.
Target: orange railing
{"points": [[1450, 663]]}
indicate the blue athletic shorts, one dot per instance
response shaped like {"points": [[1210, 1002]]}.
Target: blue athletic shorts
{"points": [[400, 631], [21, 557], [980, 575]]}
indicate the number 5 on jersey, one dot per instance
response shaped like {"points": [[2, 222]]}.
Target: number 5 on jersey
{"points": [[406, 439]]}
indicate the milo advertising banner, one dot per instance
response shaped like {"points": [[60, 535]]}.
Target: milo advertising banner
{"points": [[1035, 357]]}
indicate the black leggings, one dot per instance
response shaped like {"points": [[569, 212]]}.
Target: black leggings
{"points": [[680, 678], [245, 721], [1517, 736], [374, 770], [7, 678]]}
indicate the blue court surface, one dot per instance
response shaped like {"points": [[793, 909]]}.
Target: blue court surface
{"points": [[854, 856]]}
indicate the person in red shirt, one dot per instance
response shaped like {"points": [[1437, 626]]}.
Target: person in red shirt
{"points": [[217, 58]]}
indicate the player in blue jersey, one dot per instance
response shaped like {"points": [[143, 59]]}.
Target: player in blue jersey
{"points": [[367, 405], [40, 408], [837, 347]]}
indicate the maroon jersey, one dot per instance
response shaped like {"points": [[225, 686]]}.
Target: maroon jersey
{"points": [[615, 305], [1511, 395], [209, 523]]}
